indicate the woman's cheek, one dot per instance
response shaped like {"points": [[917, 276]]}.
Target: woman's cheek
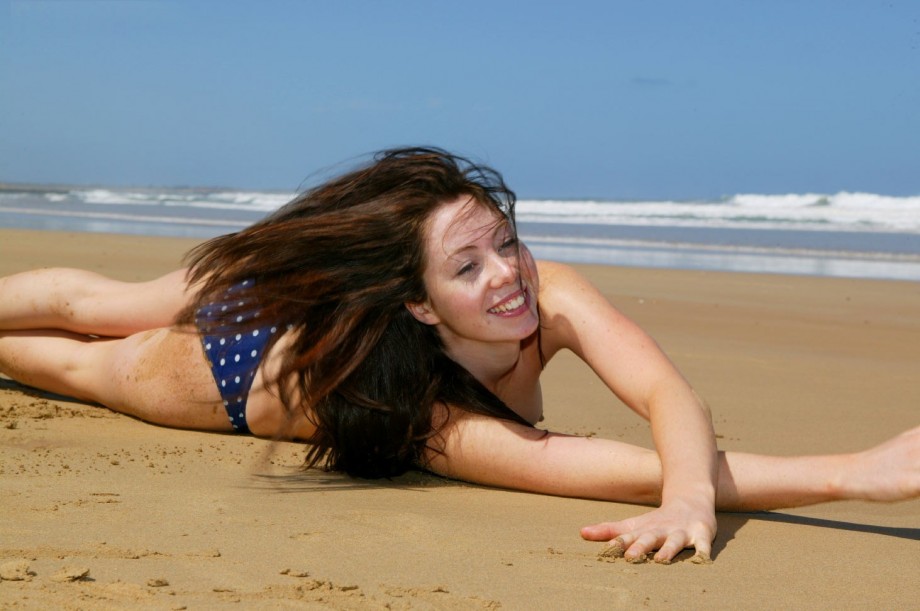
{"points": [[529, 268]]}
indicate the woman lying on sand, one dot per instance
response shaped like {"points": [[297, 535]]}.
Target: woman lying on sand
{"points": [[391, 319]]}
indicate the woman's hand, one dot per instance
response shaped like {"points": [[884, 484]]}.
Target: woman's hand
{"points": [[669, 529]]}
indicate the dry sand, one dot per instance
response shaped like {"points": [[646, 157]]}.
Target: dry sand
{"points": [[102, 511]]}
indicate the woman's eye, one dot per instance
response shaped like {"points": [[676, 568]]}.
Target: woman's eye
{"points": [[509, 243], [466, 269]]}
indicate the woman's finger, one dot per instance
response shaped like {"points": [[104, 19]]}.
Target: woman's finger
{"points": [[703, 550], [673, 545], [604, 531], [641, 547]]}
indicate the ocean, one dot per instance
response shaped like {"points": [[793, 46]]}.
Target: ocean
{"points": [[859, 235]]}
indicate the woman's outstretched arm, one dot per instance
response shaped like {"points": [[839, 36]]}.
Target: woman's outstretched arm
{"points": [[85, 302], [504, 454], [578, 318]]}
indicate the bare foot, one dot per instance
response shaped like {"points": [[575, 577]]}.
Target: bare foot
{"points": [[888, 472]]}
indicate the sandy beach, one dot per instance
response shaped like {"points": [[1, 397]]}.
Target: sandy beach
{"points": [[98, 510]]}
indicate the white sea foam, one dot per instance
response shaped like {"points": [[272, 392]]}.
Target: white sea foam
{"points": [[863, 212], [840, 212], [255, 201]]}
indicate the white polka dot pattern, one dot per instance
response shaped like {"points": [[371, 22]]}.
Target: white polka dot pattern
{"points": [[234, 355]]}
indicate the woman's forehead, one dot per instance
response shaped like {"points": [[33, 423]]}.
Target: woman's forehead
{"points": [[461, 222]]}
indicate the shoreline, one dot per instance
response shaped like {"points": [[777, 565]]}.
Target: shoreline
{"points": [[164, 518], [888, 256]]}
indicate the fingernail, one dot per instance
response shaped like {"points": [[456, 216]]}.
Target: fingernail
{"points": [[640, 559], [613, 550], [701, 558]]}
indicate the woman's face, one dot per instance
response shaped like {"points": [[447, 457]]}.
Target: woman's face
{"points": [[482, 284]]}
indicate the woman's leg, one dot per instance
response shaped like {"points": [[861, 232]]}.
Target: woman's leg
{"points": [[887, 472], [86, 302], [160, 376]]}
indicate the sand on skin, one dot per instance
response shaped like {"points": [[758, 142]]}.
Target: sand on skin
{"points": [[170, 519]]}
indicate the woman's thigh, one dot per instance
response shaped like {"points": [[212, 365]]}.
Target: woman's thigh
{"points": [[86, 302], [117, 309]]}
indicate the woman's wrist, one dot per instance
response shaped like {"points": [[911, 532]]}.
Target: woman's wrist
{"points": [[701, 494]]}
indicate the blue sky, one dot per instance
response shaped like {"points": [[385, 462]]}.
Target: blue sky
{"points": [[617, 99]]}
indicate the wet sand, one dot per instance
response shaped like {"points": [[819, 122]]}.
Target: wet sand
{"points": [[98, 510]]}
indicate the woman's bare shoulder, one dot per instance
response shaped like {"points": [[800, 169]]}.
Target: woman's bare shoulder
{"points": [[554, 276], [564, 294], [552, 268], [562, 287]]}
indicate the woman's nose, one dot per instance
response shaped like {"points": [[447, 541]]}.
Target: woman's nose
{"points": [[504, 270]]}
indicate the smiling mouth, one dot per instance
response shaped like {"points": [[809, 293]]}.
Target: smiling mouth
{"points": [[512, 305]]}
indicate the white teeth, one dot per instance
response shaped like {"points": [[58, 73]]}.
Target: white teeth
{"points": [[511, 305]]}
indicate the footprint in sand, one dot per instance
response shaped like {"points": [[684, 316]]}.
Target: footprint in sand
{"points": [[71, 573], [16, 570]]}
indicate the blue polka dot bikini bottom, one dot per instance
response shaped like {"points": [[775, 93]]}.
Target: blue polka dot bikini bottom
{"points": [[234, 349]]}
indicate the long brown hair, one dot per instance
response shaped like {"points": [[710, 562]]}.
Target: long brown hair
{"points": [[337, 265]]}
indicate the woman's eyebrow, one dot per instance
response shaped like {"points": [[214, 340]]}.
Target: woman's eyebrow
{"points": [[462, 249], [490, 231]]}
